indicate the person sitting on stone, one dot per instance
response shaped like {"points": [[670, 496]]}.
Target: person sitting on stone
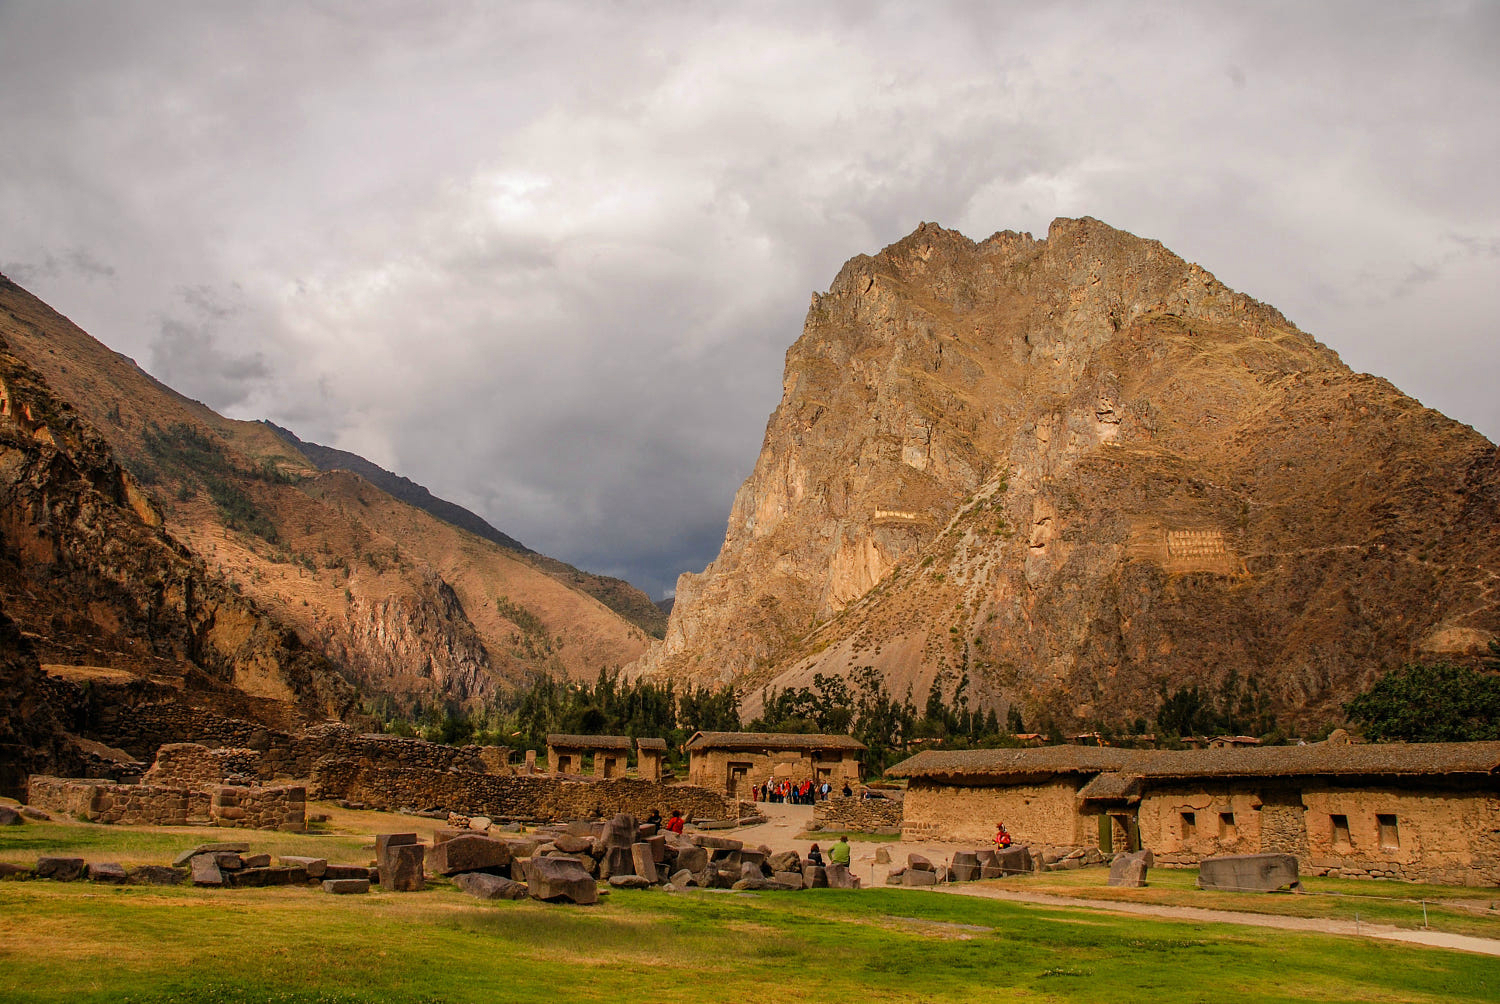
{"points": [[815, 856], [839, 855], [847, 790], [655, 818], [1002, 836], [675, 823]]}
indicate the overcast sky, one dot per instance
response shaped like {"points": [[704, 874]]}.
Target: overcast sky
{"points": [[546, 259]]}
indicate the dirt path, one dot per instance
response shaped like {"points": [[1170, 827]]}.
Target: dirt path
{"points": [[1436, 939]]}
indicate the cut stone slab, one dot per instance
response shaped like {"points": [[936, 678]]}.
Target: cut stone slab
{"points": [[919, 877], [206, 870], [315, 867], [10, 817], [480, 824], [644, 862], [683, 878], [107, 871], [401, 869], [481, 885], [346, 872], [792, 880], [228, 847], [717, 843], [814, 877], [1015, 860], [31, 812], [1248, 872], [965, 866], [8, 870], [157, 875], [560, 879], [894, 876], [1129, 870], [616, 861], [229, 862], [570, 843], [629, 882], [470, 853], [258, 861], [621, 831], [919, 863], [59, 869], [839, 877], [384, 840], [345, 887], [442, 836]]}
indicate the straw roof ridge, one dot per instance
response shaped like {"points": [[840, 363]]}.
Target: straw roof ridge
{"points": [[566, 741], [781, 740]]}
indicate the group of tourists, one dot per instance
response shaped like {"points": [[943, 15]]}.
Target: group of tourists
{"points": [[794, 792]]}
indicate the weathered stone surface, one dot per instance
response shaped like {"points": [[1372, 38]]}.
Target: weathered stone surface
{"points": [[560, 879], [59, 869], [10, 817], [332, 871], [1014, 860], [345, 887], [692, 857], [315, 867], [895, 876], [965, 866], [570, 844], [157, 875], [839, 877], [480, 824], [1248, 872], [401, 869], [1129, 870], [616, 861], [469, 853], [258, 861], [644, 862], [753, 883], [658, 844], [230, 846], [814, 877], [792, 880], [621, 831], [919, 877], [485, 886], [785, 861], [387, 840], [682, 878], [630, 882], [919, 863], [107, 871], [229, 862], [32, 812], [882, 855], [206, 870], [716, 843]]}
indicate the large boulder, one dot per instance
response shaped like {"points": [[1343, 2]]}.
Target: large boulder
{"points": [[683, 878], [315, 867], [156, 875], [470, 853], [558, 878], [1014, 860], [814, 877], [1248, 873], [402, 867], [10, 817], [1129, 870], [616, 861], [107, 871], [481, 885], [629, 882], [570, 843], [692, 857], [919, 863], [223, 846], [785, 861], [839, 877], [621, 831], [919, 877], [206, 870]]}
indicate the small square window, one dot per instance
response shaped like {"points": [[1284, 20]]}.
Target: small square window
{"points": [[1189, 825], [1390, 836], [1340, 829], [1226, 826]]}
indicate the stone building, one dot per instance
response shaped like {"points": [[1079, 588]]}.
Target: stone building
{"points": [[565, 754], [650, 756], [734, 762], [1428, 811]]}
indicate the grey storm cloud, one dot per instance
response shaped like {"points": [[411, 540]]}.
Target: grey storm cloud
{"points": [[546, 258]]}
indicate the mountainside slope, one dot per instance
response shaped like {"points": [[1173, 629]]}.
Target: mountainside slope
{"points": [[617, 594], [1079, 471], [367, 585]]}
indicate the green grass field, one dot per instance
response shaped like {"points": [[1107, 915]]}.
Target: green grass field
{"points": [[78, 942]]}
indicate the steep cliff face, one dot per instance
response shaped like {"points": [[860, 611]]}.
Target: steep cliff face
{"points": [[89, 577], [403, 603], [1079, 470]]}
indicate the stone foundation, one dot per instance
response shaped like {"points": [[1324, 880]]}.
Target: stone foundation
{"points": [[231, 806], [532, 798]]}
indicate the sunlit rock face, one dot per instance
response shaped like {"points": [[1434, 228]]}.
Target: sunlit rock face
{"points": [[1079, 470]]}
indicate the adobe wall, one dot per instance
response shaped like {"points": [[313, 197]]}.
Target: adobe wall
{"points": [[858, 815], [1450, 836], [710, 768], [528, 797], [282, 808], [1226, 819], [1044, 814]]}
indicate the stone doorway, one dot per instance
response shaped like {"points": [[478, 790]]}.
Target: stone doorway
{"points": [[736, 779]]}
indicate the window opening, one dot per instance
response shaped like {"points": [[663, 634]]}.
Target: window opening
{"points": [[1340, 829], [1390, 837], [1189, 825], [1227, 829]]}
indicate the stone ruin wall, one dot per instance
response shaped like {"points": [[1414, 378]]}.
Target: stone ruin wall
{"points": [[232, 806], [195, 765], [533, 798], [1043, 815], [859, 815]]}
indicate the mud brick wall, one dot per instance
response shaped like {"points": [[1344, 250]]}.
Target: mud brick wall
{"points": [[859, 815], [162, 805], [528, 797]]}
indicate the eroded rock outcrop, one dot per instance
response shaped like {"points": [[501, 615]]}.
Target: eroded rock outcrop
{"points": [[1080, 470]]}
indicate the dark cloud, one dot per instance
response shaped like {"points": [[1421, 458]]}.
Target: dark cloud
{"points": [[546, 258]]}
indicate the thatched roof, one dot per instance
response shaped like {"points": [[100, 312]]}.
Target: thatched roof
{"points": [[770, 741], [651, 744], [1317, 759], [1111, 786], [559, 740]]}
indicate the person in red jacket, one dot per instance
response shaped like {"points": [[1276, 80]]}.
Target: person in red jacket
{"points": [[675, 823], [1002, 836]]}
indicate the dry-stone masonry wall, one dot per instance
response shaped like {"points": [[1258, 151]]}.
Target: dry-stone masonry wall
{"points": [[511, 796], [859, 815], [281, 808]]}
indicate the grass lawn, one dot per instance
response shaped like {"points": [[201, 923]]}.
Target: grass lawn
{"points": [[1455, 909], [78, 942]]}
